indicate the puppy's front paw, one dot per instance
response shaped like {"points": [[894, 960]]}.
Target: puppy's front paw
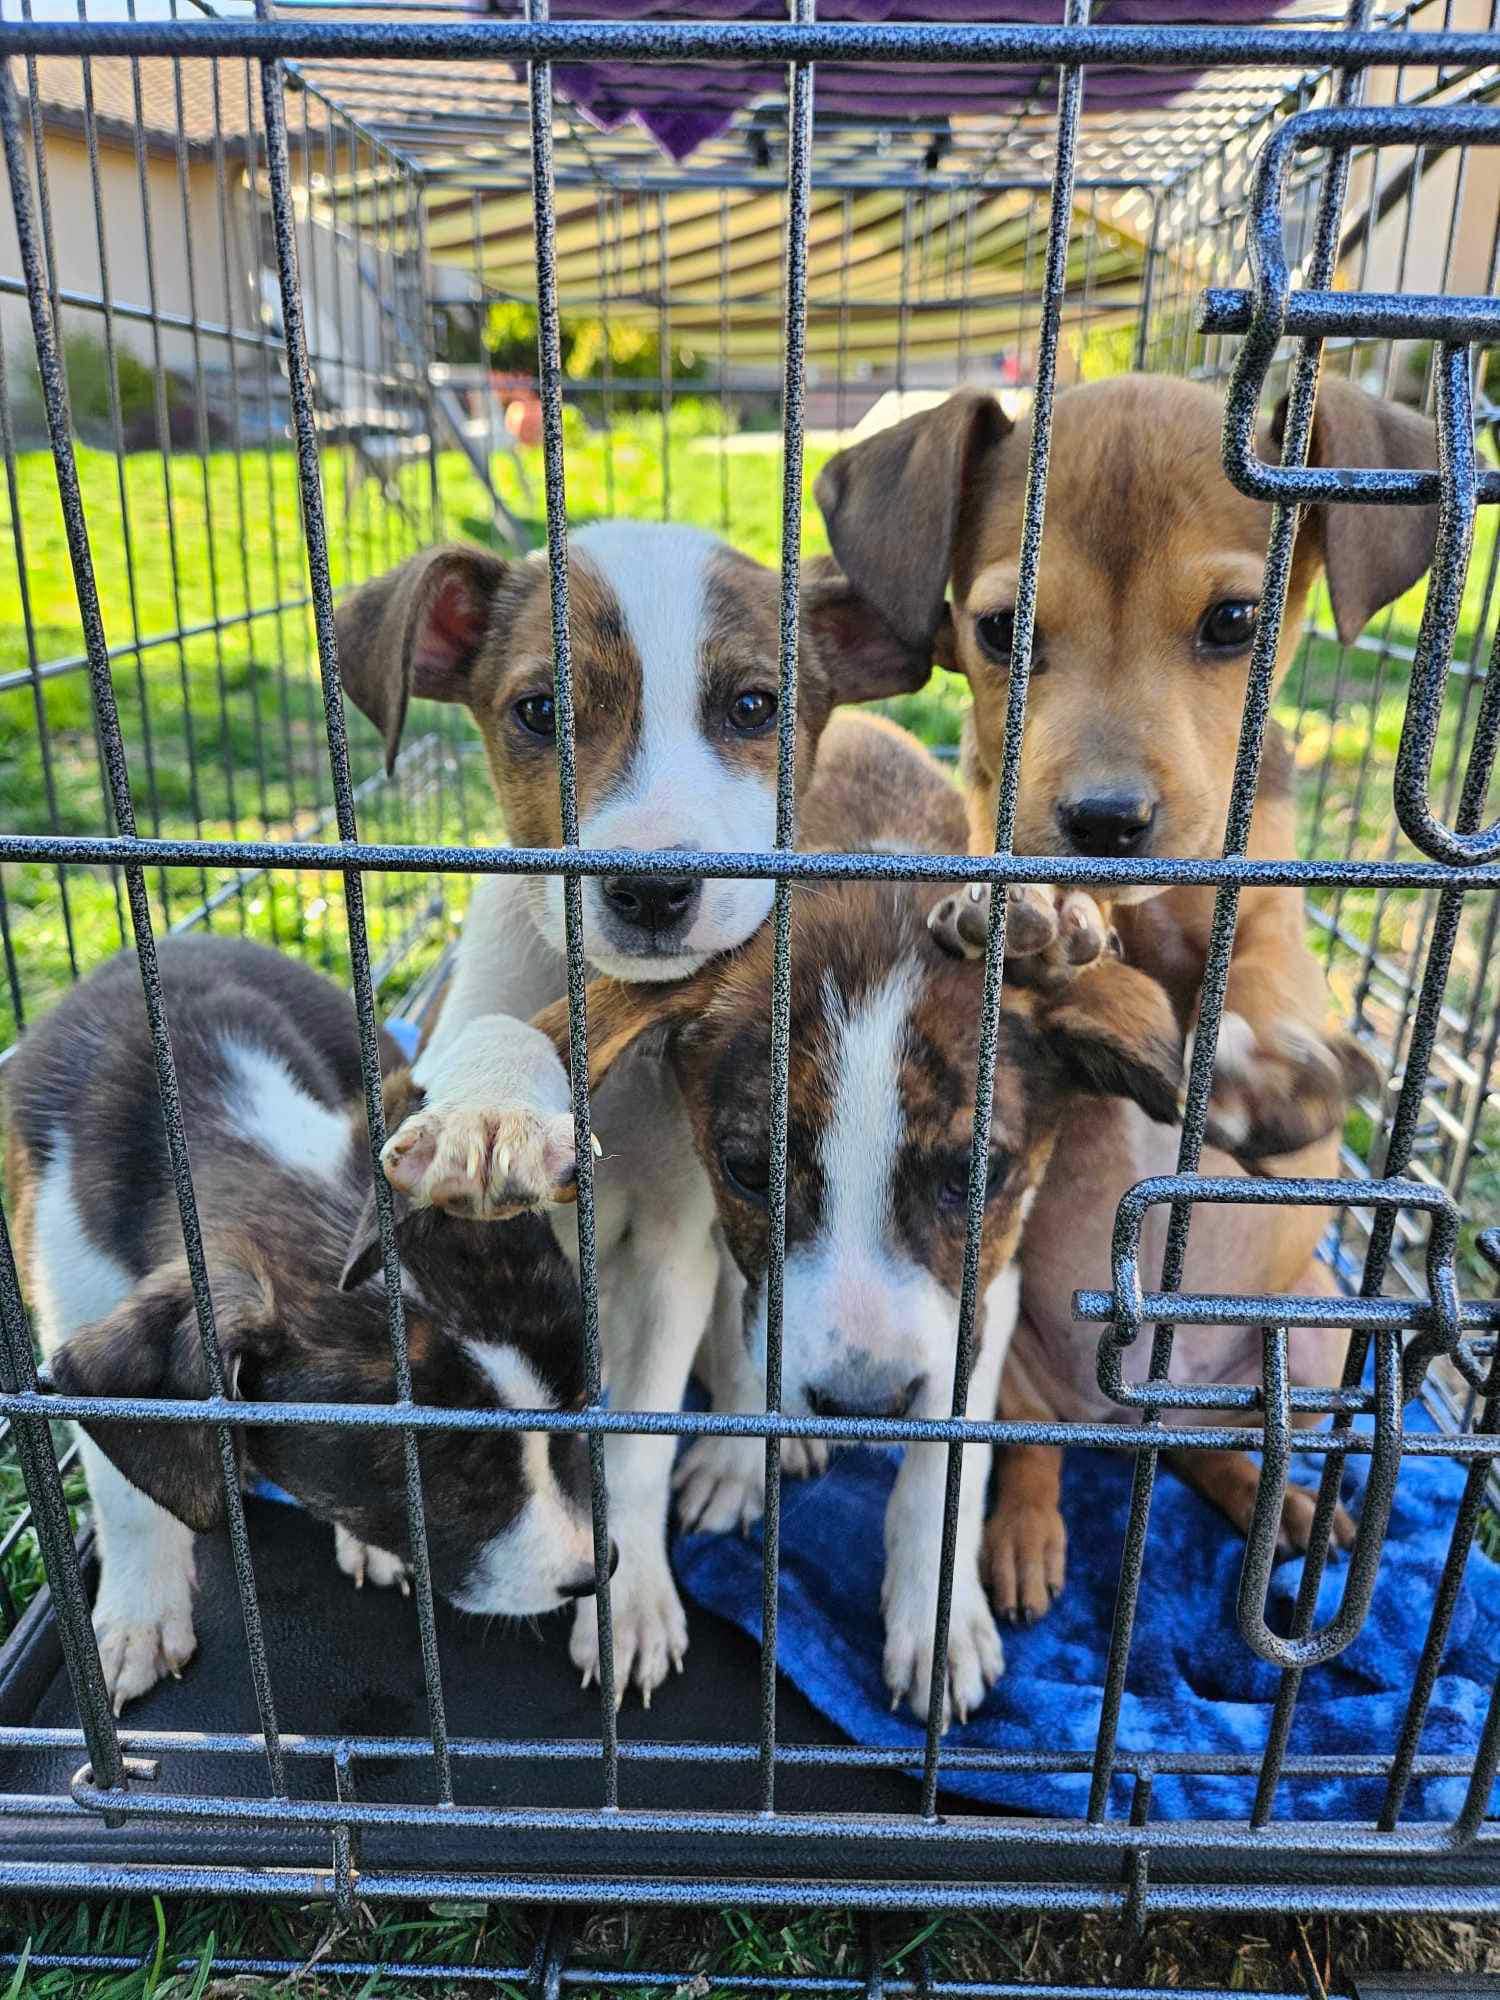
{"points": [[1281, 1087], [364, 1563], [1025, 1558], [139, 1648], [1236, 1494], [961, 922], [721, 1481], [650, 1628], [803, 1458], [1049, 933], [1297, 1510], [482, 1164], [976, 1658], [721, 1484]]}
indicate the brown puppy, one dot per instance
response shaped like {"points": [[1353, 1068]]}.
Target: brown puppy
{"points": [[1147, 598]]}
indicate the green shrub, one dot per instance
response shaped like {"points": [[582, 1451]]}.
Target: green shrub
{"points": [[626, 350], [86, 360]]}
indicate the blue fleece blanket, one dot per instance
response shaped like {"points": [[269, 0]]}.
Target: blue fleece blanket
{"points": [[1193, 1684]]}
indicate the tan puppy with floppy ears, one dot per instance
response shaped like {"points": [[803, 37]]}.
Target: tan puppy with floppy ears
{"points": [[1147, 600]]}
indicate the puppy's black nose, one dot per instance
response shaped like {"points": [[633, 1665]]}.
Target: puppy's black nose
{"points": [[860, 1394], [586, 1583], [1108, 824], [651, 902]]}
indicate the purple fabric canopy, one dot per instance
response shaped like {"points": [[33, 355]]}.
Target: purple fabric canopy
{"points": [[685, 105]]}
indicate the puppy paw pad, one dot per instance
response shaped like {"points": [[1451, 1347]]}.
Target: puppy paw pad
{"points": [[960, 922], [483, 1165]]}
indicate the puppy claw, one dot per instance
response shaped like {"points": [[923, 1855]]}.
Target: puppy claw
{"points": [[1025, 1558], [650, 1627], [1082, 929], [140, 1647], [975, 1659], [484, 1164], [363, 1563], [594, 1142]]}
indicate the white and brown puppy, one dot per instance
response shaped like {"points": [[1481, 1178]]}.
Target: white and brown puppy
{"points": [[884, 1051], [267, 1067], [674, 641]]}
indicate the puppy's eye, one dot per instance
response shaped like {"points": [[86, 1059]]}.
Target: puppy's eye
{"points": [[996, 633], [749, 1174], [953, 1189], [536, 715], [753, 711], [1228, 627]]}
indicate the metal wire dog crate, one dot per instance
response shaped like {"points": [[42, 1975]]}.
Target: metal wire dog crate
{"points": [[319, 208]]}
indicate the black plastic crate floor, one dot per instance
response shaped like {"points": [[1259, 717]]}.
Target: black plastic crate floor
{"points": [[346, 1663]]}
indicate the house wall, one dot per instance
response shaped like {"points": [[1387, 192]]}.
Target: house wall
{"points": [[127, 225], [352, 322], [1411, 246]]}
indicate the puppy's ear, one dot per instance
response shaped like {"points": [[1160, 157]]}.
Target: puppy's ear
{"points": [[620, 1014], [400, 1095], [893, 505], [860, 656], [1370, 554], [1112, 1032], [416, 631], [150, 1346], [366, 1254]]}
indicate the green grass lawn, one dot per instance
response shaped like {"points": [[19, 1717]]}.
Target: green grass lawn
{"points": [[224, 736], [223, 728]]}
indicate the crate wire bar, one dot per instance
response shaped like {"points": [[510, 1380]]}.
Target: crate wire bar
{"points": [[354, 155]]}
